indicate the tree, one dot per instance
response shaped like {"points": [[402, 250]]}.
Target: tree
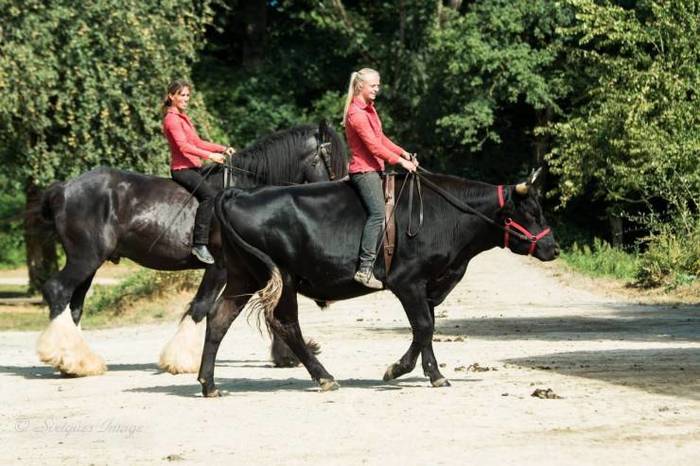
{"points": [[634, 139], [496, 72], [78, 96]]}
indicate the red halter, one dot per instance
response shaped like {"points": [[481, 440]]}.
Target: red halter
{"points": [[510, 223]]}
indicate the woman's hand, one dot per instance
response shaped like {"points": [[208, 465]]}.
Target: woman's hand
{"points": [[229, 151], [218, 158], [411, 157], [407, 164]]}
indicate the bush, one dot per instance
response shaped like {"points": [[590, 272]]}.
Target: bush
{"points": [[141, 285], [672, 257]]}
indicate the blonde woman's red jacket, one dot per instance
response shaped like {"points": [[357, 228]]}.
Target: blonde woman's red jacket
{"points": [[186, 148], [368, 146]]}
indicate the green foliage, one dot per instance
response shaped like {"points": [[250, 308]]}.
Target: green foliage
{"points": [[636, 137], [497, 54], [672, 257], [248, 105], [11, 231], [143, 284], [601, 260], [83, 82]]}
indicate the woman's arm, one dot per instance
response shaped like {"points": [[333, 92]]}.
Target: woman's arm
{"points": [[173, 127], [206, 145], [398, 150], [360, 123]]}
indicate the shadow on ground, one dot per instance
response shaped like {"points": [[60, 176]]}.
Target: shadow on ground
{"points": [[623, 322], [46, 372], [665, 371], [235, 386]]}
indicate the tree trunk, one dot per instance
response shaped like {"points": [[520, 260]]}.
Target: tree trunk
{"points": [[42, 261], [616, 231]]}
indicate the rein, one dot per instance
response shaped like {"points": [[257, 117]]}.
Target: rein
{"points": [[510, 227]]}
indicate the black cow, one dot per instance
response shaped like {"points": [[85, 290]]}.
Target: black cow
{"points": [[305, 239]]}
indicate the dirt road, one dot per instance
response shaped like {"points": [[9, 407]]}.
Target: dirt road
{"points": [[628, 376]]}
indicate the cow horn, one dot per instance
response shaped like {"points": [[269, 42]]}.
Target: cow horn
{"points": [[534, 175], [521, 188]]}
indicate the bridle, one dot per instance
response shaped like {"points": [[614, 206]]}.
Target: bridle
{"points": [[323, 154], [524, 232], [510, 226]]}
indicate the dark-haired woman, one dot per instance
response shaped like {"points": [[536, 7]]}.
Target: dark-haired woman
{"points": [[187, 152]]}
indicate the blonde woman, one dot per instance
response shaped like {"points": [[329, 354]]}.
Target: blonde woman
{"points": [[369, 150]]}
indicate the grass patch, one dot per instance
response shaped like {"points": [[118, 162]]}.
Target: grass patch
{"points": [[142, 285], [146, 296], [602, 260]]}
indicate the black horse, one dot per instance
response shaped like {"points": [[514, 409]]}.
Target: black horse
{"points": [[306, 239], [106, 214]]}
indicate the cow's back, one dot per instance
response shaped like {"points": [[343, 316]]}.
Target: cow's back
{"points": [[319, 223]]}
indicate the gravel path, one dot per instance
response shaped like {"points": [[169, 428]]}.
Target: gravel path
{"points": [[628, 378]]}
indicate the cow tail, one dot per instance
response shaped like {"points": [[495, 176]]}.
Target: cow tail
{"points": [[269, 296]]}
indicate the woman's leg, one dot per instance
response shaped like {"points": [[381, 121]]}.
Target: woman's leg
{"points": [[192, 180], [369, 186]]}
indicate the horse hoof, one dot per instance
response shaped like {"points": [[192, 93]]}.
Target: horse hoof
{"points": [[441, 382], [328, 385]]}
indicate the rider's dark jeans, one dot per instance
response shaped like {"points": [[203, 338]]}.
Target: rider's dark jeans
{"points": [[369, 186], [191, 180]]}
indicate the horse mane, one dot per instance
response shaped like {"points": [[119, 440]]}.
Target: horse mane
{"points": [[272, 159]]}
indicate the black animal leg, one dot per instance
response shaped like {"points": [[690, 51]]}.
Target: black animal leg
{"points": [[78, 299], [218, 324], [420, 315], [286, 326], [64, 287], [212, 282], [183, 352]]}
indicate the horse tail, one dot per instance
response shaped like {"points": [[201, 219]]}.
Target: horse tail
{"points": [[49, 197], [269, 296]]}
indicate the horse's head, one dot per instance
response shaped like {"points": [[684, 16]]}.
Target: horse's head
{"points": [[297, 155], [326, 157], [526, 228]]}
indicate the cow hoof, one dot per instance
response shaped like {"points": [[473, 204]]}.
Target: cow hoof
{"points": [[441, 382], [213, 394], [389, 374], [328, 385]]}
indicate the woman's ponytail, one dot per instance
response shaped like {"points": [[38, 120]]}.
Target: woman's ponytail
{"points": [[357, 78]]}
